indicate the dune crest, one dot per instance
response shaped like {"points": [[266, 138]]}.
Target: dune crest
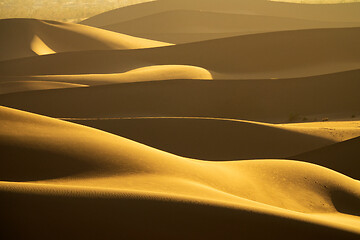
{"points": [[220, 139], [181, 119], [104, 161], [39, 37], [25, 86], [183, 26], [243, 56], [267, 100], [319, 12]]}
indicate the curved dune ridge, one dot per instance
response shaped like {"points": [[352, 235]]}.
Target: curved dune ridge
{"points": [[318, 12], [268, 100], [78, 164], [182, 119], [141, 74], [25, 86], [40, 37], [182, 26], [266, 55], [221, 139], [343, 156]]}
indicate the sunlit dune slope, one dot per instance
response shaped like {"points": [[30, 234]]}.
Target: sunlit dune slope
{"points": [[29, 37], [343, 156], [80, 178], [266, 55], [25, 86], [322, 12], [217, 139], [181, 26], [151, 73], [259, 100]]}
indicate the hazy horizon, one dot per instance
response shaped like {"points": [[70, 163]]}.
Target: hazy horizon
{"points": [[77, 10]]}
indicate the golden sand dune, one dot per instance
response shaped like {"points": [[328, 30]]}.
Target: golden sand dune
{"points": [[77, 177], [181, 26], [221, 139], [321, 12], [25, 86], [281, 100], [343, 156], [250, 133], [39, 37], [266, 55], [142, 74]]}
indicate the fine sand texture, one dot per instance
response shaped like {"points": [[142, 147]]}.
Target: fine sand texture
{"points": [[182, 119], [69, 175]]}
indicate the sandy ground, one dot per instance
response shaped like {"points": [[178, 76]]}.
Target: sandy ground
{"points": [[182, 120]]}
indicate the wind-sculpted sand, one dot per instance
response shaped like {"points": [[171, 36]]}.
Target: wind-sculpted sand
{"points": [[40, 37], [183, 120], [60, 165]]}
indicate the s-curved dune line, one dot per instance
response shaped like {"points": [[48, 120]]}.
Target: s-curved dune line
{"points": [[65, 165]]}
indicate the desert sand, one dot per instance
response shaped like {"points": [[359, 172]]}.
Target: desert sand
{"points": [[182, 120]]}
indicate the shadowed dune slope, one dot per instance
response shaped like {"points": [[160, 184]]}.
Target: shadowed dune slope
{"points": [[210, 139], [343, 156], [78, 176], [30, 37], [267, 55], [321, 12], [181, 26], [258, 100]]}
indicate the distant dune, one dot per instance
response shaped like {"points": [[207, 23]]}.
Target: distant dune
{"points": [[181, 26], [259, 100], [61, 161], [38, 37], [186, 119], [267, 55], [218, 139], [318, 12], [142, 74], [26, 86], [341, 156]]}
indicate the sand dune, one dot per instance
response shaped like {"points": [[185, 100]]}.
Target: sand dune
{"points": [[320, 12], [110, 172], [221, 139], [259, 100], [343, 156], [25, 86], [247, 127], [39, 37], [152, 73], [181, 26], [266, 55]]}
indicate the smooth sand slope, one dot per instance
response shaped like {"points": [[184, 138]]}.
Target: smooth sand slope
{"points": [[30, 37], [259, 100], [267, 55], [320, 12], [221, 139], [61, 175], [181, 26], [343, 156], [152, 73], [26, 86]]}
